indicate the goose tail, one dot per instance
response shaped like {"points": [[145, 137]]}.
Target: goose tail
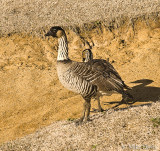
{"points": [[127, 87]]}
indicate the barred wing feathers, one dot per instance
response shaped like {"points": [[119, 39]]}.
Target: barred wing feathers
{"points": [[100, 73]]}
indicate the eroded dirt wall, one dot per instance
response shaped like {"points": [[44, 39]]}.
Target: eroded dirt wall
{"points": [[31, 95]]}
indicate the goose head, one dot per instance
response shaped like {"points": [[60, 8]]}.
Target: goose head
{"points": [[87, 55], [55, 31]]}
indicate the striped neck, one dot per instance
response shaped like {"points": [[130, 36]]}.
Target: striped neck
{"points": [[62, 49], [88, 58]]}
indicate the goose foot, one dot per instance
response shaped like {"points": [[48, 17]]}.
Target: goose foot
{"points": [[81, 121], [98, 110]]}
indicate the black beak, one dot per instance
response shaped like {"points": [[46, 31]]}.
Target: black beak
{"points": [[48, 34]]}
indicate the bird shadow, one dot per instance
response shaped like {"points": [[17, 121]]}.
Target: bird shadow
{"points": [[142, 92]]}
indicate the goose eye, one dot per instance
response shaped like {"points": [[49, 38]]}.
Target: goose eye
{"points": [[53, 30]]}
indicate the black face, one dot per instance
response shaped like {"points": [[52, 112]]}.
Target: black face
{"points": [[53, 31], [90, 52]]}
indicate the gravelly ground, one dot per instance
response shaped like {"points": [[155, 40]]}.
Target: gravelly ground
{"points": [[113, 130], [26, 16]]}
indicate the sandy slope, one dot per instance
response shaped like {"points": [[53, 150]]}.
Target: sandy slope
{"points": [[123, 130], [31, 95]]}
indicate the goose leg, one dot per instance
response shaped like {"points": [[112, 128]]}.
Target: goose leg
{"points": [[87, 106], [86, 111], [83, 114], [100, 109], [125, 99]]}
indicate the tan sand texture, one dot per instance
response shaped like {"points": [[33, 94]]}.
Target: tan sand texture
{"points": [[30, 93]]}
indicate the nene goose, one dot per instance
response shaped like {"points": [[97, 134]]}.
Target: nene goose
{"points": [[87, 55], [89, 79]]}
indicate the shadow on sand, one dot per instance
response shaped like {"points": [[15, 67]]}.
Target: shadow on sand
{"points": [[142, 93]]}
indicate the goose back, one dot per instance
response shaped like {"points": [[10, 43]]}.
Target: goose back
{"points": [[82, 76]]}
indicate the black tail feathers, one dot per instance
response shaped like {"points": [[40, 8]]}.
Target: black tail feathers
{"points": [[126, 86], [127, 97]]}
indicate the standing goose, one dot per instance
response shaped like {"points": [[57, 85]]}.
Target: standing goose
{"points": [[87, 55], [89, 79]]}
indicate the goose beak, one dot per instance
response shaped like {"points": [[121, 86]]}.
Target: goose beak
{"points": [[48, 34]]}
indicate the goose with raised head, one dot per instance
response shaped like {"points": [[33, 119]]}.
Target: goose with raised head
{"points": [[87, 55], [89, 79]]}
